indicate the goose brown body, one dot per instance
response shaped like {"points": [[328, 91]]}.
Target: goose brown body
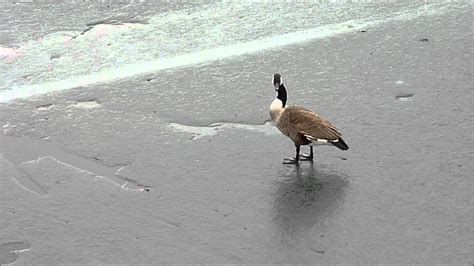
{"points": [[304, 126]]}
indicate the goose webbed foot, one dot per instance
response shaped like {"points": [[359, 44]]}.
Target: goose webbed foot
{"points": [[306, 157], [292, 160]]}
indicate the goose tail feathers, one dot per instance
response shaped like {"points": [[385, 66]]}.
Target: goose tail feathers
{"points": [[341, 144]]}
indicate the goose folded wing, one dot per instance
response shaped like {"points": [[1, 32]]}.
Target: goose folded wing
{"points": [[311, 125]]}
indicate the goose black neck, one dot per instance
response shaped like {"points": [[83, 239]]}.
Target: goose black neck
{"points": [[282, 94]]}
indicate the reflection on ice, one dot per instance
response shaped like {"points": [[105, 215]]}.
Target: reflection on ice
{"points": [[305, 195]]}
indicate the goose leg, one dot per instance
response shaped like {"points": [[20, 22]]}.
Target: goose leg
{"points": [[295, 159], [308, 157]]}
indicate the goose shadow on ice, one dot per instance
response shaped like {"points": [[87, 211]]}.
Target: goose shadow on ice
{"points": [[305, 195]]}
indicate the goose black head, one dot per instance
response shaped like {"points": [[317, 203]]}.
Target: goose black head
{"points": [[277, 81], [280, 88]]}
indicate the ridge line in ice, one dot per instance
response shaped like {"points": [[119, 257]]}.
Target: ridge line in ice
{"points": [[210, 130]]}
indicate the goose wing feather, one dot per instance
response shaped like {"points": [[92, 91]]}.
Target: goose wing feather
{"points": [[311, 125]]}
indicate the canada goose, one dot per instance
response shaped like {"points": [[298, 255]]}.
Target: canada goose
{"points": [[301, 125]]}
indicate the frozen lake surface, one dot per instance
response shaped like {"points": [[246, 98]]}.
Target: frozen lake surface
{"points": [[120, 47], [140, 134]]}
